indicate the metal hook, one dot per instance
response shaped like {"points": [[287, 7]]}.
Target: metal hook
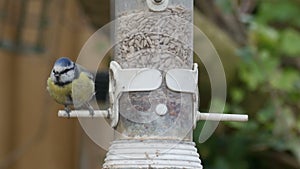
{"points": [[157, 5]]}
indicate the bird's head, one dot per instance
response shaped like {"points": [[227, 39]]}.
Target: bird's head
{"points": [[63, 72]]}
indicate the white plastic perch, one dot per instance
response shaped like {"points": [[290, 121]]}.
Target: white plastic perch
{"points": [[200, 116], [221, 117], [83, 113]]}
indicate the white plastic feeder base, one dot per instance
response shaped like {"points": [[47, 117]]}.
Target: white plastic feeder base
{"points": [[129, 154]]}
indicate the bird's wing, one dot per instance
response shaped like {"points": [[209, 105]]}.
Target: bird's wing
{"points": [[83, 89]]}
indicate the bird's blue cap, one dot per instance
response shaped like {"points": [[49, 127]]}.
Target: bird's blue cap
{"points": [[63, 62]]}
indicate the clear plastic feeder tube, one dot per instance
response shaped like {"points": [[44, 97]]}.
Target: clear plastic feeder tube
{"points": [[150, 35]]}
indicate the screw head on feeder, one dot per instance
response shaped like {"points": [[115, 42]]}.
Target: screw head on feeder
{"points": [[161, 109]]}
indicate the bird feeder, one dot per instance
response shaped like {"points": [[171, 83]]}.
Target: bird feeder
{"points": [[154, 87]]}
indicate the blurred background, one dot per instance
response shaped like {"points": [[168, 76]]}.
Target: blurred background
{"points": [[258, 42]]}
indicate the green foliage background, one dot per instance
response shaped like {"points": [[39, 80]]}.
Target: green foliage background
{"points": [[267, 89]]}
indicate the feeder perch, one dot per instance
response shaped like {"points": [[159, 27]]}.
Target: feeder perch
{"points": [[153, 87]]}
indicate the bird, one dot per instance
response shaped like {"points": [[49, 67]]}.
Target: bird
{"points": [[70, 84]]}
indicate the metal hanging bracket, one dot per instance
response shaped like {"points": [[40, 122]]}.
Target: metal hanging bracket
{"points": [[157, 5]]}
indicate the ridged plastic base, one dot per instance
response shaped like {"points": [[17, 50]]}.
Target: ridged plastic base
{"points": [[129, 154]]}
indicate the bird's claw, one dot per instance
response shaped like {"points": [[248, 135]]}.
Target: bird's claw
{"points": [[92, 113], [67, 109], [91, 110]]}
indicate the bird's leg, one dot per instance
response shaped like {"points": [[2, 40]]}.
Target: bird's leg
{"points": [[90, 108], [68, 110]]}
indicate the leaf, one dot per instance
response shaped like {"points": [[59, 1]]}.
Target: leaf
{"points": [[237, 95], [264, 37], [266, 114], [285, 80], [269, 64], [271, 11], [290, 42], [252, 75]]}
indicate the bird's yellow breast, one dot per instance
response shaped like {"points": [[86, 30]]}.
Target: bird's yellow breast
{"points": [[80, 91], [61, 94]]}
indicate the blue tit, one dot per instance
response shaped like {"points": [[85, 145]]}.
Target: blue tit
{"points": [[70, 84]]}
